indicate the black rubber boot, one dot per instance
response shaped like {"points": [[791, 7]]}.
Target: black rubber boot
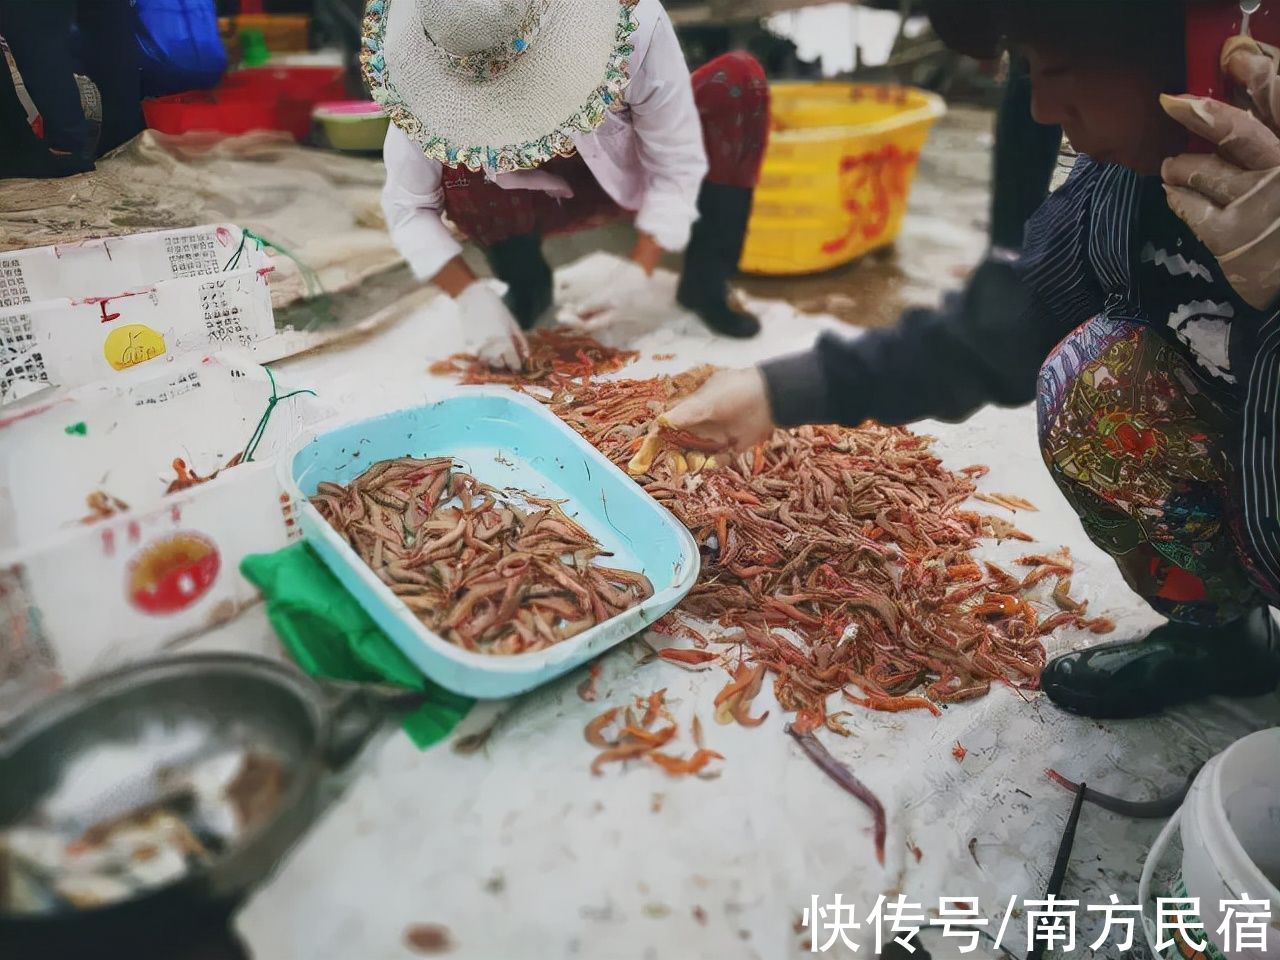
{"points": [[1175, 664], [715, 246], [519, 263]]}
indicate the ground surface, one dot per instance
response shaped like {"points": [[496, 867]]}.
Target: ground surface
{"points": [[943, 235], [520, 852]]}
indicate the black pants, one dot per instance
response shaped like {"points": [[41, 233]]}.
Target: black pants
{"points": [[39, 36], [1025, 155], [15, 134]]}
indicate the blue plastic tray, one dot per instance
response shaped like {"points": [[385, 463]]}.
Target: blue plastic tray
{"points": [[507, 440]]}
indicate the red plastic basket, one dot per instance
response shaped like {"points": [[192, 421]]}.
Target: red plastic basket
{"points": [[209, 111], [259, 98], [294, 90]]}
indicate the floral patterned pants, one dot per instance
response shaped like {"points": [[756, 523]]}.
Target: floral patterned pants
{"points": [[1135, 440], [732, 96]]}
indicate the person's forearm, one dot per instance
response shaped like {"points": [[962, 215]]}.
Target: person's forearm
{"points": [[984, 345], [454, 277], [646, 252]]}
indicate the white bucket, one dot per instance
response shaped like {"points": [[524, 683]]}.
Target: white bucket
{"points": [[1229, 825]]}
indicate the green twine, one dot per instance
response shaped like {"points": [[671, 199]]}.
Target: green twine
{"points": [[252, 446], [234, 262], [311, 280]]}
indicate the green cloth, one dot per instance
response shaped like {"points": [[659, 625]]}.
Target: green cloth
{"points": [[331, 636]]}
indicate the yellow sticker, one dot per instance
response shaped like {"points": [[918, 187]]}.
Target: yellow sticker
{"points": [[132, 344]]}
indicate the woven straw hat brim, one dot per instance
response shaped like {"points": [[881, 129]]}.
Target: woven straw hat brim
{"points": [[573, 72]]}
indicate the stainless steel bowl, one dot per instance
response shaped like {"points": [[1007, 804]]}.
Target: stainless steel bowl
{"points": [[234, 701]]}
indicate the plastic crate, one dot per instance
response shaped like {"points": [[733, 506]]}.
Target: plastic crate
{"points": [[283, 33], [836, 173], [258, 98], [210, 110], [294, 92]]}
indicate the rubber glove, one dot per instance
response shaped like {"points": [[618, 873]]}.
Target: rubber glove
{"points": [[731, 408], [629, 290], [490, 328], [1231, 199]]}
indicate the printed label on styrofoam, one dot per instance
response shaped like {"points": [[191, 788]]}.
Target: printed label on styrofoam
{"points": [[125, 586], [163, 390], [173, 572], [132, 344], [55, 340]]}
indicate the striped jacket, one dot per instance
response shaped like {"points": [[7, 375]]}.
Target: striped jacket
{"points": [[1104, 243]]}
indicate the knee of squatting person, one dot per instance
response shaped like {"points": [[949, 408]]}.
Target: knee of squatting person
{"points": [[1141, 315], [479, 135]]}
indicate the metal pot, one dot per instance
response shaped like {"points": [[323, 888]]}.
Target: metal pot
{"points": [[316, 728]]}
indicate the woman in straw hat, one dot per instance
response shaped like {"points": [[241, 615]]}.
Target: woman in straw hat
{"points": [[525, 118]]}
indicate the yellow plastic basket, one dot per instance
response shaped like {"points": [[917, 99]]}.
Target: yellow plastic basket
{"points": [[836, 174]]}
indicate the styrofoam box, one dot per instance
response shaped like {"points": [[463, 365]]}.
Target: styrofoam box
{"points": [[80, 597], [93, 597], [122, 436], [91, 279], [91, 268], [70, 342]]}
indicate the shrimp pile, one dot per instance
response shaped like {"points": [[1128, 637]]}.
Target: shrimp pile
{"points": [[623, 734], [839, 559], [553, 355], [499, 572]]}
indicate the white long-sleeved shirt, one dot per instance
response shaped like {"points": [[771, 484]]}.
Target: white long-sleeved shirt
{"points": [[649, 157]]}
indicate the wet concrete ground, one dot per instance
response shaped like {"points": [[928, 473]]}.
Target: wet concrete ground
{"points": [[943, 235]]}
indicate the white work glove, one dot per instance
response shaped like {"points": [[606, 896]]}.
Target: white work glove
{"points": [[1231, 199], [731, 409], [490, 328], [629, 291]]}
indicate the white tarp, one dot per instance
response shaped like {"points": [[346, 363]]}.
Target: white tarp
{"points": [[520, 852]]}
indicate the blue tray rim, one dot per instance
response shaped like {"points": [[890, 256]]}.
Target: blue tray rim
{"points": [[662, 600]]}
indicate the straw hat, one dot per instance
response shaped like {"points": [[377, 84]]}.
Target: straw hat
{"points": [[500, 84]]}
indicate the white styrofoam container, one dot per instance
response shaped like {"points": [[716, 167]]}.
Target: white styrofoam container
{"points": [[70, 342], [75, 597], [121, 437], [102, 266], [93, 597]]}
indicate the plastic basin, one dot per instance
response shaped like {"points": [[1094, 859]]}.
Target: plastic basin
{"points": [[836, 175], [507, 440], [357, 125]]}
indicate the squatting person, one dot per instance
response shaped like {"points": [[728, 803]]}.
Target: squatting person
{"points": [[519, 119], [1142, 318]]}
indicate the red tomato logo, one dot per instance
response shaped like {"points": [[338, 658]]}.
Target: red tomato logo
{"points": [[172, 574]]}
